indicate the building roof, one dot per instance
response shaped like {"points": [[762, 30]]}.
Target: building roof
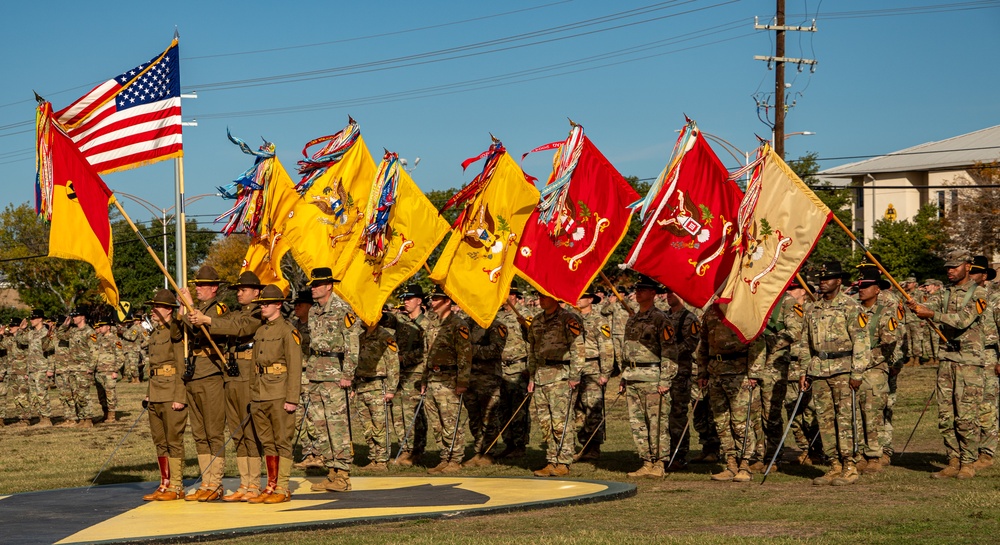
{"points": [[956, 152]]}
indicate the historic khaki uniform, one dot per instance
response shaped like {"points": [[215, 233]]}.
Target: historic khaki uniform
{"points": [[598, 363], [206, 399], [514, 385], [448, 366], [377, 374], [556, 356], [166, 387]]}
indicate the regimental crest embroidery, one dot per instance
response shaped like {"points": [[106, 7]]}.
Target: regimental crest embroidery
{"points": [[340, 211], [490, 237], [692, 224], [764, 246]]}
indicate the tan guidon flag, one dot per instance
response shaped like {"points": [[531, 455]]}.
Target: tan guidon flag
{"points": [[780, 220]]}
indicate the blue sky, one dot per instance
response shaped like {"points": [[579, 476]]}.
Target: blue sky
{"points": [[891, 74]]}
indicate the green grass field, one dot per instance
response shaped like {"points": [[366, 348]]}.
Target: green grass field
{"points": [[901, 505]]}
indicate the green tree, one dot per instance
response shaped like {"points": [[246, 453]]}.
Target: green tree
{"points": [[977, 225], [834, 244], [911, 247]]}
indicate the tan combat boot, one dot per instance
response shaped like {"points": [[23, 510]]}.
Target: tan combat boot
{"points": [[86, 423], [949, 471], [451, 467], [984, 461], [885, 460], [404, 460], [874, 466], [485, 460], [730, 472], [546, 471], [438, 469], [338, 480], [472, 462], [646, 469], [803, 458], [967, 471], [743, 475], [848, 476], [706, 457], [560, 470], [44, 422], [375, 466], [835, 470]]}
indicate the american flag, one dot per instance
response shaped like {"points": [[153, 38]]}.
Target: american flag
{"points": [[131, 120]]}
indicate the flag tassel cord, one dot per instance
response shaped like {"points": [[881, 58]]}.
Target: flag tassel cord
{"points": [[885, 272], [163, 269]]}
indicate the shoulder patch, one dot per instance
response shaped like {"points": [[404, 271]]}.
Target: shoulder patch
{"points": [[981, 305], [574, 326], [695, 328], [93, 337], [668, 332], [798, 309], [606, 330], [297, 336], [463, 331], [392, 345], [502, 329], [118, 344], [221, 308], [892, 324], [349, 319], [900, 314], [527, 320], [862, 319]]}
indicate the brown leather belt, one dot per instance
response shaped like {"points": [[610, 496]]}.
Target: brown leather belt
{"points": [[165, 371], [273, 369], [244, 354]]}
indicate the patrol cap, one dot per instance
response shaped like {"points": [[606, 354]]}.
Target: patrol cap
{"points": [[956, 258], [980, 265], [37, 313], [933, 282], [832, 269], [270, 294], [207, 275], [412, 290], [247, 279], [910, 279], [321, 274], [871, 276], [163, 298]]}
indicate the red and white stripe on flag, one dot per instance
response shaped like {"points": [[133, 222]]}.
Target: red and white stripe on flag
{"points": [[131, 120]]}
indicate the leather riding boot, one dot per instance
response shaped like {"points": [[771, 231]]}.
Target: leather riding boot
{"points": [[281, 491], [161, 461]]}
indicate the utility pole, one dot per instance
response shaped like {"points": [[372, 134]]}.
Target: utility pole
{"points": [[779, 61]]}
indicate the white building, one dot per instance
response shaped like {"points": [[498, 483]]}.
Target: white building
{"points": [[903, 181]]}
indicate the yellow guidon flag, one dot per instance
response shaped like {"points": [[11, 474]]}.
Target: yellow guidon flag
{"points": [[335, 183], [75, 200], [780, 221], [477, 264], [399, 231]]}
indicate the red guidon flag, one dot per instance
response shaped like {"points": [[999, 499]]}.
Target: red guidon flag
{"points": [[581, 218], [689, 222], [74, 198], [780, 222]]}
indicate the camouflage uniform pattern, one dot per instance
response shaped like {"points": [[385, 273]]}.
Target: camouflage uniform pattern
{"points": [[685, 329], [959, 311], [599, 361], [410, 340], [17, 375], [988, 410], [108, 353], [377, 374], [78, 371], [134, 337], [333, 346], [38, 368], [447, 367], [514, 385], [4, 384], [555, 356], [614, 310], [727, 364], [783, 328], [482, 400], [884, 334], [833, 349], [648, 365]]}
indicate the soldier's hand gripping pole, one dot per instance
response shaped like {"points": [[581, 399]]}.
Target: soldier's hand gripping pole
{"points": [[746, 431], [505, 426], [921, 417], [680, 441], [601, 424], [145, 407], [458, 422], [409, 430], [781, 443]]}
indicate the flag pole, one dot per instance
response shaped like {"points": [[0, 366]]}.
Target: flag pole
{"points": [[618, 295], [173, 284], [802, 282], [181, 227], [885, 272]]}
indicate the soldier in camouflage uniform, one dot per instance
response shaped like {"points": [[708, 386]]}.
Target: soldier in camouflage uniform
{"points": [[375, 383], [685, 329], [514, 388], [334, 351], [599, 362], [730, 370], [831, 358], [648, 369], [981, 273], [135, 337], [804, 428], [78, 366], [17, 374], [618, 312], [108, 353], [913, 326], [446, 376], [235, 331], [4, 384], [884, 336], [203, 378], [555, 359], [959, 311], [306, 430], [39, 368], [410, 340], [482, 400], [929, 339]]}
